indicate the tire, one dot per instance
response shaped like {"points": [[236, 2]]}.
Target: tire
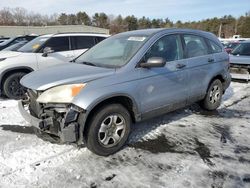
{"points": [[12, 87], [213, 97], [116, 121]]}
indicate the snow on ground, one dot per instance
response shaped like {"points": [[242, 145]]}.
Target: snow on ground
{"points": [[186, 148]]}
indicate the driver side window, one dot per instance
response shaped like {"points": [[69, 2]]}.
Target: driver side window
{"points": [[58, 44], [168, 47]]}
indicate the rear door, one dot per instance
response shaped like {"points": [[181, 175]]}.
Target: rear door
{"points": [[164, 88], [198, 62], [82, 43], [62, 52]]}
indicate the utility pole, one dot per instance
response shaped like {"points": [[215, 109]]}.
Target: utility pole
{"points": [[219, 33], [236, 27]]}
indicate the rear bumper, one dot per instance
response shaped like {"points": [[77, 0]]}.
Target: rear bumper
{"points": [[240, 66], [240, 71]]}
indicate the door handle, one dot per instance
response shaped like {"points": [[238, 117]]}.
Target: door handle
{"points": [[210, 60], [180, 66]]}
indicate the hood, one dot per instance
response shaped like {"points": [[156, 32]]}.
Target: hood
{"points": [[8, 54], [63, 74], [234, 59]]}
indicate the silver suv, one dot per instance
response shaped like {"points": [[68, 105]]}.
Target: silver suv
{"points": [[40, 53], [124, 79]]}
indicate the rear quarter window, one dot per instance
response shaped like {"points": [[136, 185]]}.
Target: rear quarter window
{"points": [[83, 42], [214, 48], [99, 39]]}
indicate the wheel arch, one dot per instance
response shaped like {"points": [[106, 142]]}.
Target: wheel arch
{"points": [[219, 77], [123, 99], [10, 71]]}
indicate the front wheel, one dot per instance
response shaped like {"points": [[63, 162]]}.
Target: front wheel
{"points": [[213, 97], [108, 130], [12, 87]]}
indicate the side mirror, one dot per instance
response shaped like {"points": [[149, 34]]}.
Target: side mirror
{"points": [[154, 62], [46, 51]]}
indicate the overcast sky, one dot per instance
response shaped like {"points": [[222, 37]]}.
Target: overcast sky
{"points": [[184, 10]]}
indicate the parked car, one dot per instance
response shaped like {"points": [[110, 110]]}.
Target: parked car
{"points": [[13, 47], [2, 39], [125, 79], [42, 52], [15, 40], [240, 56], [231, 45], [240, 61]]}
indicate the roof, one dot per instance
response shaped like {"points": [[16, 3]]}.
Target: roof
{"points": [[81, 34], [145, 32], [148, 32], [75, 34]]}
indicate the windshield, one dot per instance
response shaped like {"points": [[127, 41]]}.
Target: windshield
{"points": [[231, 45], [242, 49], [15, 47], [113, 52], [33, 45]]}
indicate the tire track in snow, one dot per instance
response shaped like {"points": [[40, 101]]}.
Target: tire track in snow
{"points": [[50, 161]]}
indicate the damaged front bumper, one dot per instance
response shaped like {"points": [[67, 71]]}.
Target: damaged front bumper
{"points": [[57, 119]]}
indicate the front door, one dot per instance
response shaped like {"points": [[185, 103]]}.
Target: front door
{"points": [[62, 53], [164, 88]]}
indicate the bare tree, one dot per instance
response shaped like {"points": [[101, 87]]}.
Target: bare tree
{"points": [[6, 17], [19, 15]]}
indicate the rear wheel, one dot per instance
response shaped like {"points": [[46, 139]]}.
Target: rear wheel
{"points": [[12, 87], [214, 95], [108, 130]]}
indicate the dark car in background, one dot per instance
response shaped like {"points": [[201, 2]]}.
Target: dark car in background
{"points": [[229, 47], [2, 39], [15, 47], [240, 56], [240, 61], [15, 40]]}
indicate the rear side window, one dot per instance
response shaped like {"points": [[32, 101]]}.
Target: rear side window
{"points": [[195, 46], [82, 42], [214, 48], [58, 44]]}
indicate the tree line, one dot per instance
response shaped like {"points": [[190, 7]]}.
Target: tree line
{"points": [[229, 25]]}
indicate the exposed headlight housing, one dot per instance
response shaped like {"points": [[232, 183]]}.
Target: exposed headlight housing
{"points": [[60, 94]]}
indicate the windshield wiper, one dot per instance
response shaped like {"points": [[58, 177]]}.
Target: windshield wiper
{"points": [[88, 63]]}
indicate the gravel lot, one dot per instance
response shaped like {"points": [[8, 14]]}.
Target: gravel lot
{"points": [[187, 148]]}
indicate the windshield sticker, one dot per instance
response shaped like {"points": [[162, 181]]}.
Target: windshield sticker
{"points": [[140, 39], [35, 46]]}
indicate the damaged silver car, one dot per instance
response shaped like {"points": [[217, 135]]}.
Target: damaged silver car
{"points": [[125, 79]]}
